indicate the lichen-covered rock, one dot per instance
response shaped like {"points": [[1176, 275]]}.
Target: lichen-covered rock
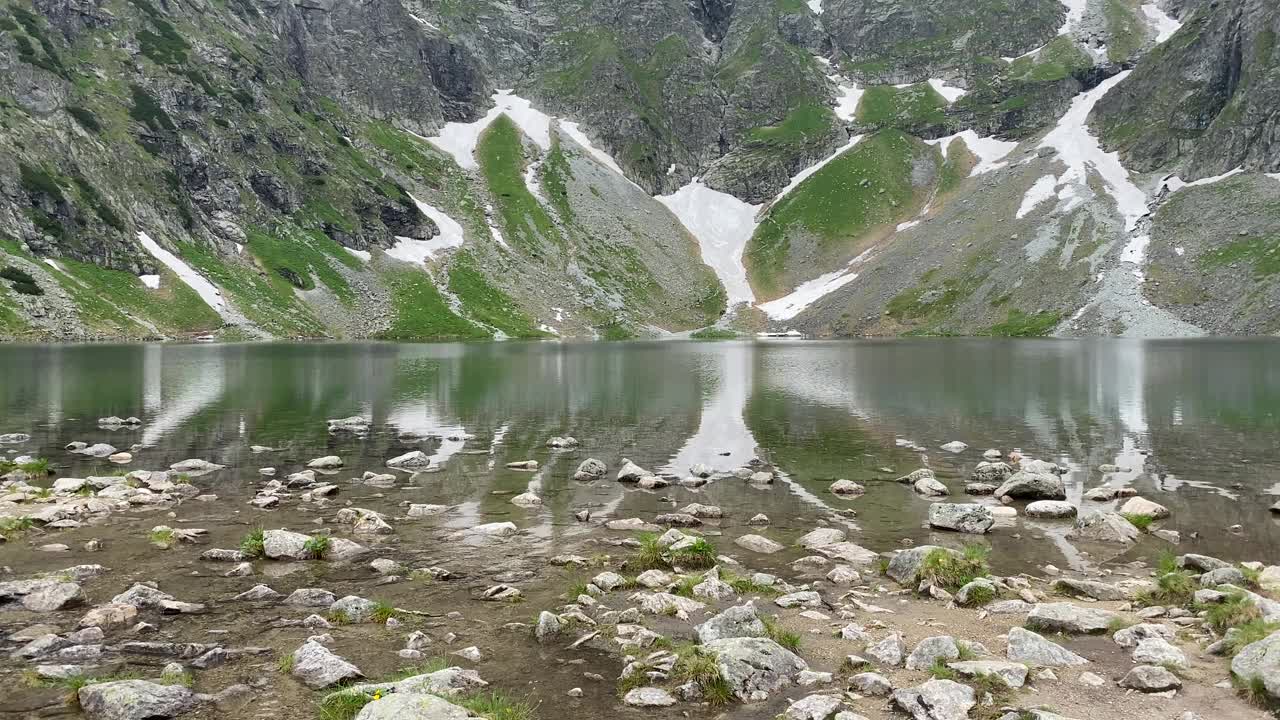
{"points": [[134, 700], [1069, 618], [966, 518], [318, 667], [1030, 648], [936, 700], [755, 667], [1033, 486]]}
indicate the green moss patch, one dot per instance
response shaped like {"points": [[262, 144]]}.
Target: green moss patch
{"points": [[524, 221], [269, 303], [1260, 253], [299, 258], [910, 107], [486, 303], [175, 307], [802, 126], [1020, 324], [1055, 61], [421, 311], [867, 187]]}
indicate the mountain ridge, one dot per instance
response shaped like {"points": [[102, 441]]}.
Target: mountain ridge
{"points": [[300, 156]]}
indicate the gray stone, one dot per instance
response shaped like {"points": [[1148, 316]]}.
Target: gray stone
{"points": [[134, 700], [1222, 576], [1069, 618], [1201, 563], [758, 544], [1053, 509], [966, 518], [411, 706], [888, 651], [976, 591], [1260, 661], [1104, 527], [734, 622], [1144, 507], [819, 537], [1133, 635], [1013, 674], [548, 627], [930, 649], [310, 597], [813, 707], [804, 598], [354, 608], [905, 566], [869, 683], [285, 545], [993, 473], [936, 700], [1033, 486], [649, 697], [1030, 648], [1091, 589], [317, 667], [1158, 651], [1150, 679], [755, 667], [930, 487]]}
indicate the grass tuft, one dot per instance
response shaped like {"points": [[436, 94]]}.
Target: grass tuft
{"points": [[251, 545], [684, 587], [1248, 633], [785, 638], [285, 663], [384, 611], [316, 547], [940, 671], [11, 528], [496, 706], [1236, 611], [948, 570], [699, 555], [699, 667], [1175, 588], [162, 537], [1142, 522], [342, 705]]}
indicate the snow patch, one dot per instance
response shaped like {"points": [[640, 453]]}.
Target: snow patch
{"points": [[364, 255], [722, 225], [1080, 151], [950, 94], [847, 100], [424, 22], [151, 282], [1274, 176], [989, 151], [909, 224], [1159, 21], [531, 181], [417, 251], [1179, 251], [53, 264], [1135, 252], [815, 6], [807, 293], [1043, 190], [804, 174], [1075, 15], [460, 139], [1175, 183], [209, 293]]}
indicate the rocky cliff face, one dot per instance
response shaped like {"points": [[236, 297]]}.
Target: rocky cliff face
{"points": [[471, 168]]}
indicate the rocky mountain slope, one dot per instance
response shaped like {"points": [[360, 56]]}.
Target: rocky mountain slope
{"points": [[413, 169]]}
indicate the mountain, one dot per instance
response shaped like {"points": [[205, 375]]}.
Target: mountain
{"points": [[404, 169]]}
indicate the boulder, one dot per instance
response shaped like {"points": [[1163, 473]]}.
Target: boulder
{"points": [[978, 591], [1222, 576], [354, 608], [735, 622], [1145, 508], [1027, 647], [930, 487], [1150, 679], [285, 545], [1013, 674], [754, 667], [317, 667], [631, 472], [549, 625], [1104, 527], [1067, 618], [888, 651], [936, 700], [1201, 563], [869, 683], [412, 460], [1135, 634], [804, 598], [991, 473], [905, 566], [328, 462], [1259, 662], [961, 517], [648, 697], [1052, 509], [758, 544], [930, 649], [813, 707], [819, 537], [1092, 589], [1158, 651], [1033, 486], [134, 700], [846, 487], [590, 469], [411, 706], [310, 597]]}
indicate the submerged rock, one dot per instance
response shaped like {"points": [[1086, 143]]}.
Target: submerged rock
{"points": [[966, 518], [1104, 527], [1033, 486], [758, 544], [590, 469]]}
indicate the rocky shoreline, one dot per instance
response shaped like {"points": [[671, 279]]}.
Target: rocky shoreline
{"points": [[696, 611]]}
